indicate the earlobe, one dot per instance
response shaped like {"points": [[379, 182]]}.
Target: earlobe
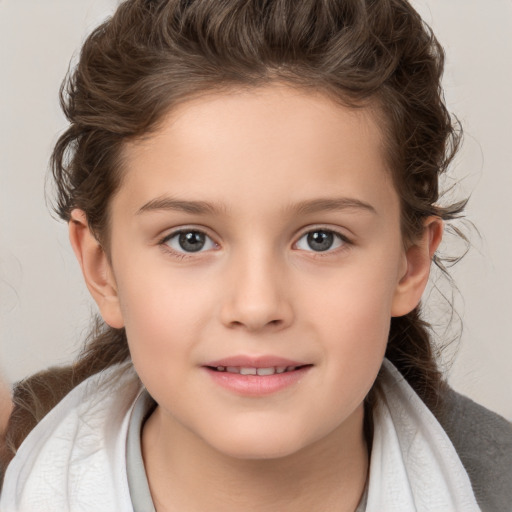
{"points": [[418, 260], [96, 269]]}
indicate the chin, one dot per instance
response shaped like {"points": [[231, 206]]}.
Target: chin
{"points": [[259, 443]]}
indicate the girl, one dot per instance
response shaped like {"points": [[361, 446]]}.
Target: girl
{"points": [[252, 194]]}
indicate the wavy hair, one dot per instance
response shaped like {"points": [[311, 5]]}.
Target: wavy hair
{"points": [[152, 55]]}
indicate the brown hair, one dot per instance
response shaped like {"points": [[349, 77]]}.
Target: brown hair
{"points": [[153, 54]]}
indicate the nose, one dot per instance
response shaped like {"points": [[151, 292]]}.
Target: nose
{"points": [[257, 295]]}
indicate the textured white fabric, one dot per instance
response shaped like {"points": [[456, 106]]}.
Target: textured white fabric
{"points": [[414, 466], [75, 459]]}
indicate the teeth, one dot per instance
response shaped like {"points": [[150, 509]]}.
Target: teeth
{"points": [[256, 371], [247, 371], [266, 371]]}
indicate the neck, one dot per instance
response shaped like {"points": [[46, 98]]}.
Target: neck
{"points": [[185, 473]]}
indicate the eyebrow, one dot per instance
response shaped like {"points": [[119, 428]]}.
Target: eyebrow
{"points": [[332, 204], [303, 207], [168, 203]]}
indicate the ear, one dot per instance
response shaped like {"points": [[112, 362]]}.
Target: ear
{"points": [[418, 260], [96, 269]]}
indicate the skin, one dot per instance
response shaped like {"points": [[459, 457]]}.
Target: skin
{"points": [[265, 161]]}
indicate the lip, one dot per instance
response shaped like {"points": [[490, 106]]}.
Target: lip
{"points": [[263, 361], [256, 385]]}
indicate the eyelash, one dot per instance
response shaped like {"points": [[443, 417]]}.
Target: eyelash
{"points": [[343, 240]]}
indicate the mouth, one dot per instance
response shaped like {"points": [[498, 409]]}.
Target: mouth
{"points": [[263, 372], [257, 378]]}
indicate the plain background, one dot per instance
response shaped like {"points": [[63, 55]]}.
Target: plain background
{"points": [[44, 306]]}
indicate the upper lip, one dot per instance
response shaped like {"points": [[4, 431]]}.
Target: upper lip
{"points": [[264, 361]]}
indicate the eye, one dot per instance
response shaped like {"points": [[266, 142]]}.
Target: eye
{"points": [[189, 241], [320, 240]]}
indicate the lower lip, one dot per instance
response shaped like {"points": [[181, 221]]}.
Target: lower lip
{"points": [[257, 385]]}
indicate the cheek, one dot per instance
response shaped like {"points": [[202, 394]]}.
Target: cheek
{"points": [[358, 297], [154, 295], [355, 317], [358, 342], [163, 316]]}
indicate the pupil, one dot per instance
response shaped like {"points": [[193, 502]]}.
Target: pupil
{"points": [[192, 241], [320, 240]]}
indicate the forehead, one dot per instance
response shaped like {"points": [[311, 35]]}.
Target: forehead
{"points": [[273, 143]]}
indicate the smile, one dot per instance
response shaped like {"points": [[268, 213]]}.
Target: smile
{"points": [[257, 381], [256, 371]]}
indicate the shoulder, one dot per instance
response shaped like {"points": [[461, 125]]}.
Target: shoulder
{"points": [[76, 452], [483, 440]]}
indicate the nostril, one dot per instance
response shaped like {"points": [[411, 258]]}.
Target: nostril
{"points": [[272, 323]]}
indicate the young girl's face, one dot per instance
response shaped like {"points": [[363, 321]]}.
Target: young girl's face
{"points": [[258, 232]]}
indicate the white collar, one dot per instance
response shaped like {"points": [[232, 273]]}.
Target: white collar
{"points": [[414, 466]]}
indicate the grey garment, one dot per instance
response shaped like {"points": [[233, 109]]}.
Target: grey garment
{"points": [[137, 479], [483, 441]]}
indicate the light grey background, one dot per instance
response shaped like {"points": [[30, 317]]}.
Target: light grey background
{"points": [[44, 306]]}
